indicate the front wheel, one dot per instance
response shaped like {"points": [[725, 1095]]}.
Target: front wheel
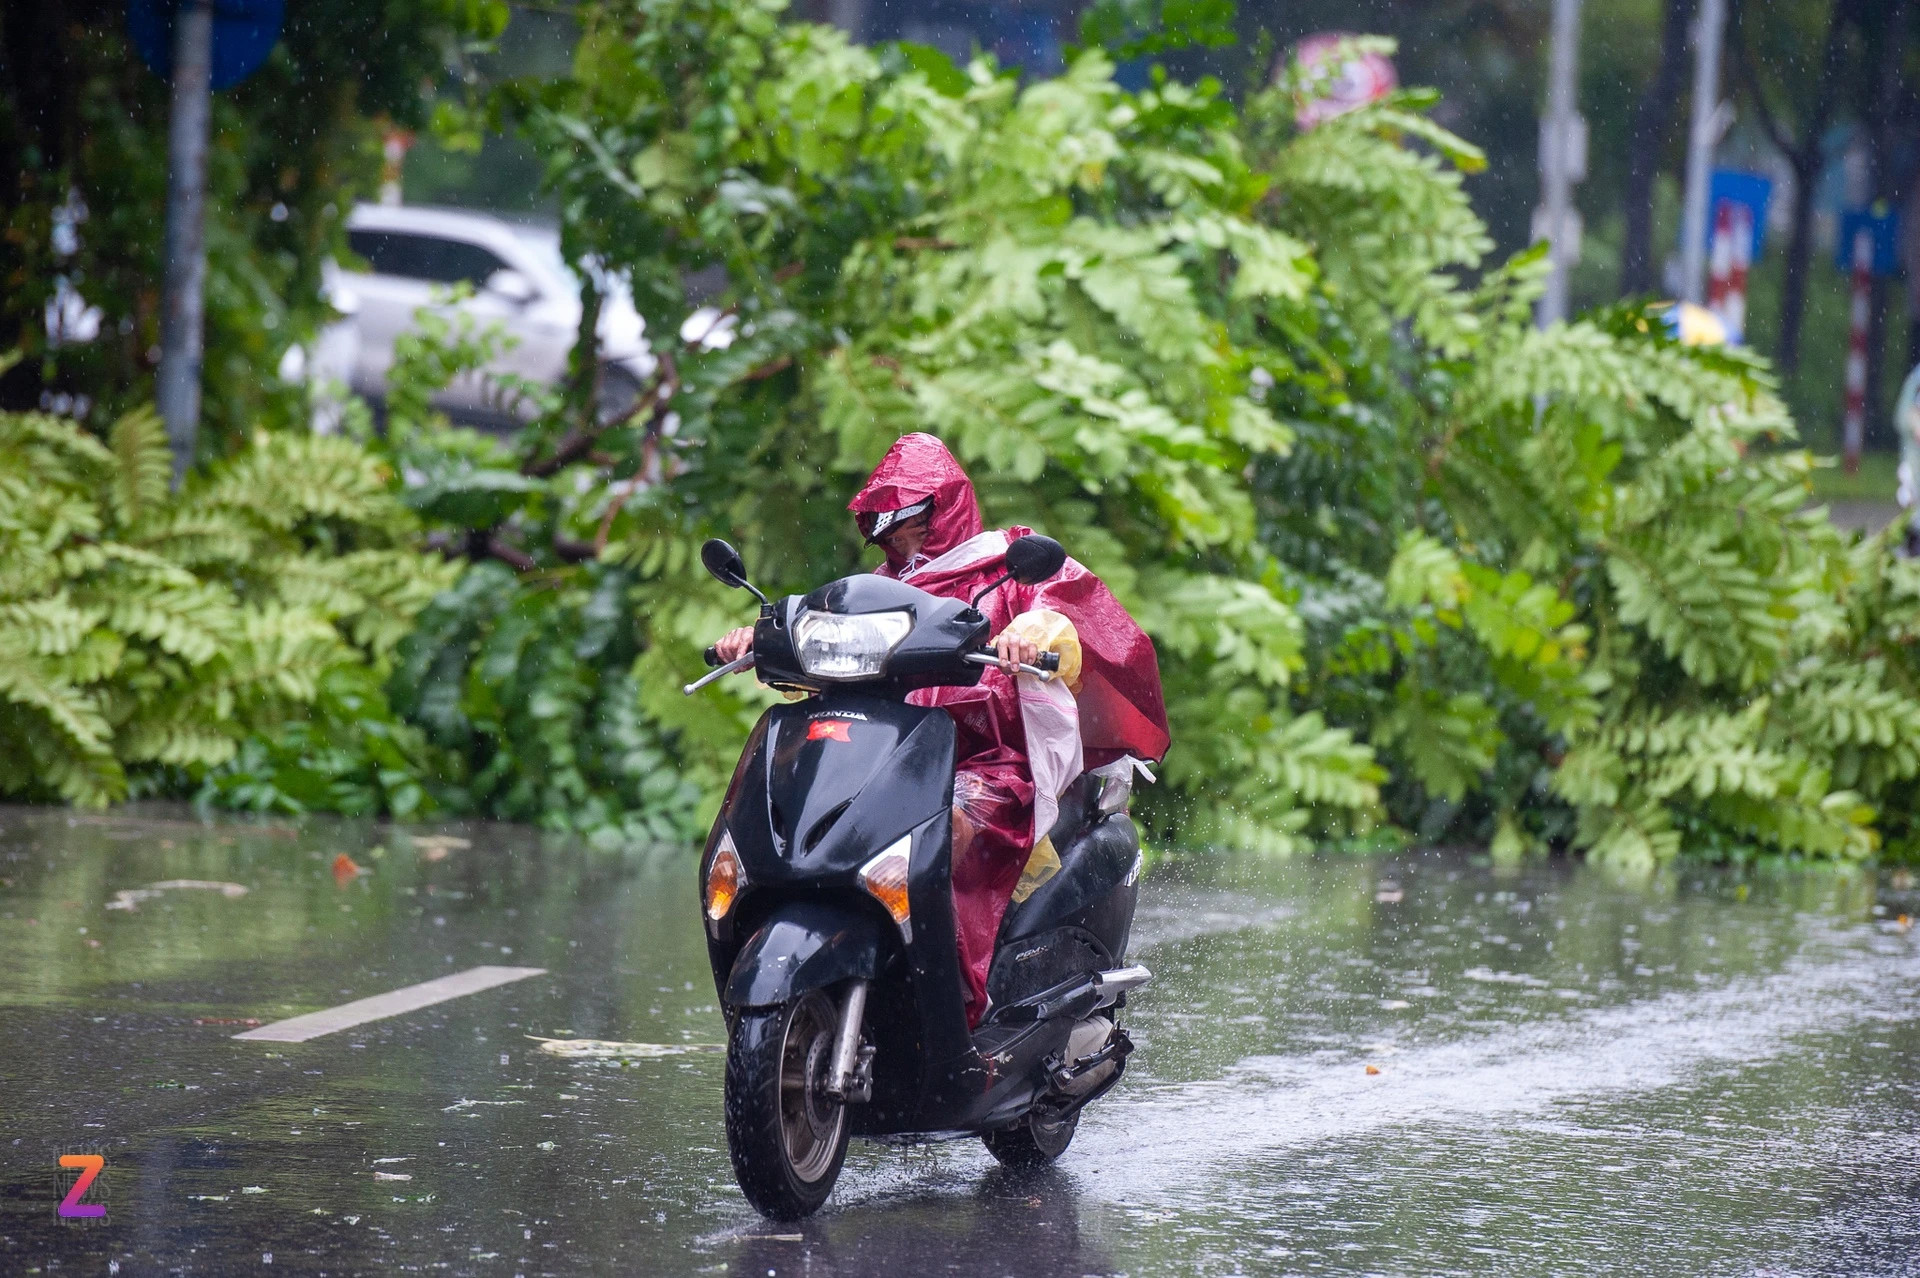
{"points": [[1033, 1142], [786, 1135]]}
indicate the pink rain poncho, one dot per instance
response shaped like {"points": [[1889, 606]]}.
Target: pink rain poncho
{"points": [[1021, 742]]}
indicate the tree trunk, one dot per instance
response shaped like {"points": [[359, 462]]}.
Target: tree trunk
{"points": [[1808, 160], [1879, 432], [1793, 292], [1652, 120], [1885, 134], [1910, 263]]}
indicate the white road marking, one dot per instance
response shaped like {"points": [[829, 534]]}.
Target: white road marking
{"points": [[411, 998]]}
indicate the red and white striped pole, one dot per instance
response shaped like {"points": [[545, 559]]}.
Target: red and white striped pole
{"points": [[1720, 259], [1736, 312], [1853, 428], [1731, 257]]}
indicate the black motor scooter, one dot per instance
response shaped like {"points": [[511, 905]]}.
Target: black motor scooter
{"points": [[829, 907]]}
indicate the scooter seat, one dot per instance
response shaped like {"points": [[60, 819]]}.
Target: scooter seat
{"points": [[1082, 915]]}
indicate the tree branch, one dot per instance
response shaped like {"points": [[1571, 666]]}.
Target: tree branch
{"points": [[574, 445], [620, 500], [484, 543], [578, 442], [767, 369], [573, 551]]}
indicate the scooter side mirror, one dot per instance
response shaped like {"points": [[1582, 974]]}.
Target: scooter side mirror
{"points": [[724, 562], [1032, 559]]}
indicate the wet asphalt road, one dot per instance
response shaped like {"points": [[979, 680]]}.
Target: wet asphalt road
{"points": [[1410, 1064]]}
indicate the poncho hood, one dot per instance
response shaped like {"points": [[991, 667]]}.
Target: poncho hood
{"points": [[1121, 710], [919, 466]]}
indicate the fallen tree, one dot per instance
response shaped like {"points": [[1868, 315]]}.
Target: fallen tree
{"points": [[1415, 569]]}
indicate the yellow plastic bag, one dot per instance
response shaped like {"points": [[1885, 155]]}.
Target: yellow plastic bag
{"points": [[1042, 865]]}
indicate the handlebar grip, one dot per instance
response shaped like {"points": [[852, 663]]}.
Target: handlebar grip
{"points": [[712, 654], [1049, 661]]}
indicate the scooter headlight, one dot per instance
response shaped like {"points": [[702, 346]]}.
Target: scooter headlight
{"points": [[837, 645], [725, 877], [885, 879]]}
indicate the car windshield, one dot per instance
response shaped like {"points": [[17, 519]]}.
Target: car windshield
{"points": [[424, 257]]}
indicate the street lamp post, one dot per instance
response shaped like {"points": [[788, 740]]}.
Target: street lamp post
{"points": [[182, 320], [1562, 159], [1709, 121]]}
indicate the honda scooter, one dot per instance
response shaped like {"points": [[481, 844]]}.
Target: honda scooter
{"points": [[826, 890]]}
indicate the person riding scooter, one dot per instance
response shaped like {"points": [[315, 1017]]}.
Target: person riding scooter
{"points": [[1021, 742]]}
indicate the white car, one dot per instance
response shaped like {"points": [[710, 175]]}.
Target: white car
{"points": [[414, 255]]}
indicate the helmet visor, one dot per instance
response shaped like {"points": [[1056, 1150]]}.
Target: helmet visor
{"points": [[875, 524]]}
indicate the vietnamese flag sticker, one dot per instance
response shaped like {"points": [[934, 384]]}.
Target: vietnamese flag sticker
{"points": [[829, 730]]}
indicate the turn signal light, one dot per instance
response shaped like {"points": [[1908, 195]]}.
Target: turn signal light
{"points": [[725, 877], [885, 879]]}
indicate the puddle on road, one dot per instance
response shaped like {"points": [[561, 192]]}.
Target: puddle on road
{"points": [[1401, 1064]]}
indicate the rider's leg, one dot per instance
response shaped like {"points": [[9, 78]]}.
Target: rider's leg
{"points": [[992, 818]]}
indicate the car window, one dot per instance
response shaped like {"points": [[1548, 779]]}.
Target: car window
{"points": [[424, 257]]}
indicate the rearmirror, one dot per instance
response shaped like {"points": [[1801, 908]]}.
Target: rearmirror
{"points": [[510, 285], [1032, 559], [724, 562]]}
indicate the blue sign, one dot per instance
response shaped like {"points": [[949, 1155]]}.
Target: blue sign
{"points": [[244, 33], [1884, 227], [1730, 186]]}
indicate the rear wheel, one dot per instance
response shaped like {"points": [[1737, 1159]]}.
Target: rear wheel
{"points": [[1034, 1142], [786, 1135]]}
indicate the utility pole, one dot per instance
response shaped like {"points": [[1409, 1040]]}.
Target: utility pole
{"points": [[1562, 161], [1710, 120], [182, 319]]}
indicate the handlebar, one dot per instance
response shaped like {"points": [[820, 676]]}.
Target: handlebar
{"points": [[743, 662], [1044, 670], [1049, 662]]}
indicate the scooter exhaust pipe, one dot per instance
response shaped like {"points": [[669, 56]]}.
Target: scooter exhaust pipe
{"points": [[1095, 1048], [1119, 981], [846, 1048]]}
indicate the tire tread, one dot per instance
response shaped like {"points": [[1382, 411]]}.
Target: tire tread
{"points": [[754, 1140]]}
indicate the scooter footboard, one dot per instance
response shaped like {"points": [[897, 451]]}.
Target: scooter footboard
{"points": [[802, 946]]}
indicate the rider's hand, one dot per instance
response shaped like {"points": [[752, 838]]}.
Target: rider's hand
{"points": [[1012, 650], [734, 644]]}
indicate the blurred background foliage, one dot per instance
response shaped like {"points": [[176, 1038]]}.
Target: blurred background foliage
{"points": [[82, 131], [83, 171], [1415, 569]]}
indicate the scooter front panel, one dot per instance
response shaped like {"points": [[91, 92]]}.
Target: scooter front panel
{"points": [[828, 784], [847, 776]]}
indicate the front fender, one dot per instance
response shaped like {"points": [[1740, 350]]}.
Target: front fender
{"points": [[805, 945]]}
